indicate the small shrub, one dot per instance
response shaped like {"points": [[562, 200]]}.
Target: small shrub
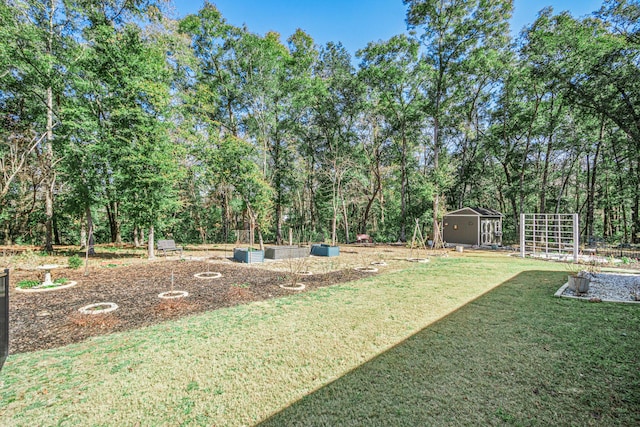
{"points": [[75, 262], [27, 284], [61, 281]]}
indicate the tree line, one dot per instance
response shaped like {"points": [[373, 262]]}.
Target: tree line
{"points": [[122, 123]]}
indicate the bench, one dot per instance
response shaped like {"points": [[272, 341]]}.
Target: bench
{"points": [[165, 246], [363, 238]]}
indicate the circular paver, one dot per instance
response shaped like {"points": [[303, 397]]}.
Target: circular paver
{"points": [[208, 275], [46, 289], [95, 308], [296, 287], [173, 294], [305, 273], [423, 260], [366, 269]]}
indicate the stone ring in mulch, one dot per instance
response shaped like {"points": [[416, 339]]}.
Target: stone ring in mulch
{"points": [[173, 294], [423, 260], [366, 269], [208, 275], [99, 308], [47, 288], [296, 287]]}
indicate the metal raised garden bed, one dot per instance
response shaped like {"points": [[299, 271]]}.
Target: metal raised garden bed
{"points": [[248, 256], [286, 252], [325, 250]]}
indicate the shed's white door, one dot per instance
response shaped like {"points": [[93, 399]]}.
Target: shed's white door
{"points": [[486, 232]]}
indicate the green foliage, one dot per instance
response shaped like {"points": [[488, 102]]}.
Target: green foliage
{"points": [[74, 261], [26, 284], [198, 128]]}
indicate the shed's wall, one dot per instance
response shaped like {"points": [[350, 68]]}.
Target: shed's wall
{"points": [[466, 232]]}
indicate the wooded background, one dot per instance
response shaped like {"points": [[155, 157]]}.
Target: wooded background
{"points": [[118, 118]]}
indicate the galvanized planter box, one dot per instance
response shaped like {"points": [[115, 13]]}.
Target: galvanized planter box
{"points": [[286, 252], [325, 250], [248, 256], [580, 285]]}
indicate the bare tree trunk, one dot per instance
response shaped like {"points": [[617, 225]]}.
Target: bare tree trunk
{"points": [[403, 190], [591, 195], [114, 222], [260, 239], [545, 173], [7, 234], [50, 174], [226, 216], [545, 177], [136, 241], [56, 231], [252, 227], [346, 220], [335, 192], [436, 164], [91, 241], [635, 221], [634, 169], [279, 238], [83, 234], [150, 246]]}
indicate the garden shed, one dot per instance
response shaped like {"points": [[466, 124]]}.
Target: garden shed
{"points": [[473, 226]]}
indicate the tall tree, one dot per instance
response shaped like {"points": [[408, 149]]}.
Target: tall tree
{"points": [[335, 109], [398, 78], [43, 34], [452, 33]]}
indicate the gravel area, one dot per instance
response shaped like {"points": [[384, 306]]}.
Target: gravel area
{"points": [[611, 287]]}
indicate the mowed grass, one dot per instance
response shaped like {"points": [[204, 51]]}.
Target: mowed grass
{"points": [[389, 350], [516, 356]]}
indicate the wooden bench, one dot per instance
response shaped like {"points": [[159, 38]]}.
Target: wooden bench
{"points": [[165, 246]]}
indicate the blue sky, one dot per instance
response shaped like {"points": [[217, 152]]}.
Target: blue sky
{"points": [[352, 22]]}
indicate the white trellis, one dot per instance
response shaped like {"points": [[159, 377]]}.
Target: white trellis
{"points": [[554, 235]]}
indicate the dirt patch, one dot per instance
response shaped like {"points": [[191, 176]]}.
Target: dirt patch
{"points": [[49, 320]]}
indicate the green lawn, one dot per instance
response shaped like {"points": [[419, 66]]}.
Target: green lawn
{"points": [[389, 350]]}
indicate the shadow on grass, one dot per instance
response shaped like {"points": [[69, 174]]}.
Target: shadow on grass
{"points": [[516, 355]]}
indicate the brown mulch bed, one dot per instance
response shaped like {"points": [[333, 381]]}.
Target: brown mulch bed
{"points": [[51, 319]]}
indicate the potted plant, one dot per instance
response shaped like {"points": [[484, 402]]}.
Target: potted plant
{"points": [[579, 282], [580, 277]]}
